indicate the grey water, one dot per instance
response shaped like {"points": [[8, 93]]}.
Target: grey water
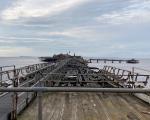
{"points": [[143, 67], [24, 61], [18, 61]]}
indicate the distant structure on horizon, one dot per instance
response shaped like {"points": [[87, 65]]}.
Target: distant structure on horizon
{"points": [[58, 57]]}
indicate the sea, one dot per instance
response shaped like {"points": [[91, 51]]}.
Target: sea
{"points": [[142, 67], [18, 61]]}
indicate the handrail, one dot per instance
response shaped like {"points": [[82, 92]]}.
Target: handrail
{"points": [[75, 89], [130, 77], [16, 74], [7, 66], [24, 67], [118, 68], [40, 90], [90, 74]]}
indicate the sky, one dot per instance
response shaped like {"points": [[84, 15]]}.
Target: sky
{"points": [[92, 28]]}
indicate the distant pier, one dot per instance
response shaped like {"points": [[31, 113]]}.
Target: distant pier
{"points": [[112, 60]]}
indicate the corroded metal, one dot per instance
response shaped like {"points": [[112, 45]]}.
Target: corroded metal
{"points": [[131, 79], [69, 75]]}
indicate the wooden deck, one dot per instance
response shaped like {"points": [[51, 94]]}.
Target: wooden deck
{"points": [[88, 106]]}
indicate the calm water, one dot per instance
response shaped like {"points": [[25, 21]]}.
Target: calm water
{"points": [[23, 61], [18, 61], [144, 64]]}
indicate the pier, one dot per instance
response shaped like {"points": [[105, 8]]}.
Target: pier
{"points": [[112, 60], [55, 91]]}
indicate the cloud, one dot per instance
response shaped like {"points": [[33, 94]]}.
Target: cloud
{"points": [[87, 33], [7, 41], [23, 24], [136, 12], [38, 8], [12, 39], [117, 46], [50, 26], [15, 51]]}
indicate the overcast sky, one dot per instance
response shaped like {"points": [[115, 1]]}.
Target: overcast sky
{"points": [[102, 28]]}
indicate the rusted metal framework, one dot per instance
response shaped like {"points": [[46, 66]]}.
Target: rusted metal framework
{"points": [[69, 75], [125, 78], [18, 75]]}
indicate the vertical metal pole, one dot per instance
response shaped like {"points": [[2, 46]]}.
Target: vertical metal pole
{"points": [[133, 76], [103, 84], [15, 96], [39, 98], [14, 106], [1, 77]]}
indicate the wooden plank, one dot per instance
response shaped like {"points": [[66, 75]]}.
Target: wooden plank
{"points": [[88, 106]]}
